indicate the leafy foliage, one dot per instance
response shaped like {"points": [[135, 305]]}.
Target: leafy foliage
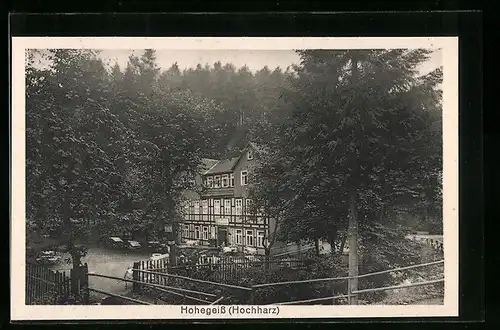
{"points": [[107, 151], [360, 121]]}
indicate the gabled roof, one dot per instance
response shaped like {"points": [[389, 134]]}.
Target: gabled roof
{"points": [[223, 166], [207, 163], [258, 148], [228, 165]]}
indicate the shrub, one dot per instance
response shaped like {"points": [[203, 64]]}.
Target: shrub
{"points": [[54, 298]]}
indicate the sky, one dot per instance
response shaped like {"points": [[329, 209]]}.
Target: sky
{"points": [[254, 59]]}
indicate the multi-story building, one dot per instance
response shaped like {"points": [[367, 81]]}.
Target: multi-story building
{"points": [[221, 213]]}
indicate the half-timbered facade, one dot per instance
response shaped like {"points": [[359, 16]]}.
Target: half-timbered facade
{"points": [[221, 214]]}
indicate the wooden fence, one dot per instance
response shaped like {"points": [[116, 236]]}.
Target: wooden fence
{"points": [[152, 278], [45, 285], [181, 289], [228, 269], [160, 266]]}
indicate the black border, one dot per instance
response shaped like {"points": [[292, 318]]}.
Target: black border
{"points": [[173, 6], [466, 25]]}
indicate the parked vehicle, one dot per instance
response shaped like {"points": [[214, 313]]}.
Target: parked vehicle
{"points": [[134, 245], [159, 256], [48, 258], [115, 242], [250, 250], [154, 245], [191, 243], [229, 249]]}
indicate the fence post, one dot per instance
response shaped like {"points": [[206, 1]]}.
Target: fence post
{"points": [[135, 277], [85, 282], [252, 296], [73, 281], [352, 297], [79, 280]]}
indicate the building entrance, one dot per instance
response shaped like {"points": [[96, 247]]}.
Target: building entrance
{"points": [[222, 236]]}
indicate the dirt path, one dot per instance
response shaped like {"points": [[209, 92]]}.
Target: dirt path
{"points": [[108, 262]]}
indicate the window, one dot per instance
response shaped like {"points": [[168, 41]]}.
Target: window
{"points": [[227, 206], [244, 178], [250, 154], [238, 206], [260, 211], [191, 231], [239, 236], [213, 235], [210, 182], [205, 232], [260, 238], [231, 180], [248, 207], [204, 205], [225, 180], [185, 231], [249, 237], [197, 232], [217, 181], [216, 206], [196, 210]]}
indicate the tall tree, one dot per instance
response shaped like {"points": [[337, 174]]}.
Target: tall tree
{"points": [[365, 108], [73, 142], [107, 151]]}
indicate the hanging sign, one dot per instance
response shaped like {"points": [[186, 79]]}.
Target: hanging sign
{"points": [[222, 222]]}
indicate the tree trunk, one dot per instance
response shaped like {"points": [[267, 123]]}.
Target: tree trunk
{"points": [[316, 245], [332, 239], [342, 245], [353, 246], [353, 192], [68, 227], [267, 254]]}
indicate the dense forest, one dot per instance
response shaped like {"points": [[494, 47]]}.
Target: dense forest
{"points": [[348, 134]]}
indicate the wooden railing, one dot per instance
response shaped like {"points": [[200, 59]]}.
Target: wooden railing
{"points": [[170, 285], [350, 294]]}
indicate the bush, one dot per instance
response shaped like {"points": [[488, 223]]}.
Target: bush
{"points": [[329, 266], [53, 298]]}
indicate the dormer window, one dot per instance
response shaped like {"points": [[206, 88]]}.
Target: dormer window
{"points": [[210, 181], [250, 154], [231, 180], [217, 181], [225, 181]]}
